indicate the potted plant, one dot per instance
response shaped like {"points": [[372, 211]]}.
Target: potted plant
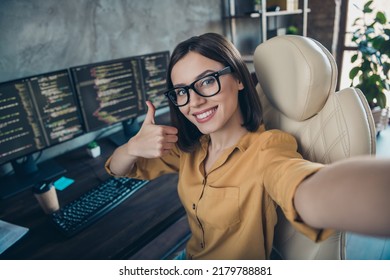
{"points": [[257, 5], [93, 149], [371, 73]]}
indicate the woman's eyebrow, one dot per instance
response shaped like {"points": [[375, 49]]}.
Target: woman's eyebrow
{"points": [[201, 75]]}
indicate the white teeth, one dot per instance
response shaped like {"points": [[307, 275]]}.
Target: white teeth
{"points": [[205, 114]]}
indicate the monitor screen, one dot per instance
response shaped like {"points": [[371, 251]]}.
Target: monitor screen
{"points": [[36, 113], [108, 92], [153, 69], [115, 91]]}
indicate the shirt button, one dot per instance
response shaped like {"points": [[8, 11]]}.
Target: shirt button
{"points": [[201, 245], [193, 206]]}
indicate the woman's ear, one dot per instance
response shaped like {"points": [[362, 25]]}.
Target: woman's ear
{"points": [[240, 85]]}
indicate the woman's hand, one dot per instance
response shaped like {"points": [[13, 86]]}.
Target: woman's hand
{"points": [[152, 141]]}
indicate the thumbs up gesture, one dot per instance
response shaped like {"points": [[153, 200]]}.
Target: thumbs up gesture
{"points": [[152, 140]]}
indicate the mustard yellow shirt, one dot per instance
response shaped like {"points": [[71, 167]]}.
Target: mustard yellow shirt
{"points": [[232, 210]]}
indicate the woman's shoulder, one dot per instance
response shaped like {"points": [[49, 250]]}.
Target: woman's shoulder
{"points": [[272, 138]]}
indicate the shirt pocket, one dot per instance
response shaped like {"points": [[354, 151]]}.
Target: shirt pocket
{"points": [[219, 207]]}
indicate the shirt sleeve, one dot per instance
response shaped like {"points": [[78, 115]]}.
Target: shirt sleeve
{"points": [[285, 169], [149, 169]]}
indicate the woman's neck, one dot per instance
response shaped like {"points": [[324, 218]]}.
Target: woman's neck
{"points": [[228, 135], [220, 141]]}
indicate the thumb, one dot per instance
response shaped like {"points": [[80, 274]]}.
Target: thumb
{"points": [[149, 119]]}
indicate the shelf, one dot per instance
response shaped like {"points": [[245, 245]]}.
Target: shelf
{"points": [[256, 14], [247, 57], [239, 15], [278, 13]]}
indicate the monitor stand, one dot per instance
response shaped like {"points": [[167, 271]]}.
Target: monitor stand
{"points": [[27, 174], [130, 128]]}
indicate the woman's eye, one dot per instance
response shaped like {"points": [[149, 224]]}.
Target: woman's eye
{"points": [[181, 92], [208, 81]]}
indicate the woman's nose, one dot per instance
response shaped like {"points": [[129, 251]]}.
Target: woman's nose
{"points": [[195, 99]]}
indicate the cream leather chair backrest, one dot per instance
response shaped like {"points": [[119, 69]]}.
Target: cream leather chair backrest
{"points": [[296, 83]]}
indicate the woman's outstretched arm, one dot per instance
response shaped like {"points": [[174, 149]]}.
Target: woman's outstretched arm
{"points": [[350, 195]]}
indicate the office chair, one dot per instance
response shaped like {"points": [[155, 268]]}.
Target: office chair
{"points": [[296, 83]]}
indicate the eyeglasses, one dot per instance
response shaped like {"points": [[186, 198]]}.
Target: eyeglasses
{"points": [[206, 87]]}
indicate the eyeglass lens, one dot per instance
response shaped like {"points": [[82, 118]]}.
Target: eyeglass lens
{"points": [[207, 86]]}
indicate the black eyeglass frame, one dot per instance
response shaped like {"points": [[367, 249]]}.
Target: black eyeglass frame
{"points": [[216, 75]]}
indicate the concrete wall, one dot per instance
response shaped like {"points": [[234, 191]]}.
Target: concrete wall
{"points": [[45, 35]]}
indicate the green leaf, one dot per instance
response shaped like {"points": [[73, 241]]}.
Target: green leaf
{"points": [[381, 99], [369, 50], [368, 4], [386, 68], [354, 57], [354, 71], [370, 30], [380, 17], [366, 66], [378, 41], [356, 36], [356, 21], [92, 145], [376, 79], [367, 93], [367, 10], [385, 48]]}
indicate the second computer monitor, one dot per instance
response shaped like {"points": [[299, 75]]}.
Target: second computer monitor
{"points": [[37, 112], [115, 91]]}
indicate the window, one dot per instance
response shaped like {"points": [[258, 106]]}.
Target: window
{"points": [[351, 9]]}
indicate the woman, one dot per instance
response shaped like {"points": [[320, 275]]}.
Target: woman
{"points": [[233, 173]]}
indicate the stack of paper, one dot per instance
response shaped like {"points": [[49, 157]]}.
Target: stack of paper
{"points": [[9, 234]]}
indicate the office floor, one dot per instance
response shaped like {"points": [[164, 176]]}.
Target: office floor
{"points": [[369, 248]]}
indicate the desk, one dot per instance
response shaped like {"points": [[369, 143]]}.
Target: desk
{"points": [[119, 235]]}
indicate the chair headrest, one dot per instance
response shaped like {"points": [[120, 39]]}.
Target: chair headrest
{"points": [[296, 73]]}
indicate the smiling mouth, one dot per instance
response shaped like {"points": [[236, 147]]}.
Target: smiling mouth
{"points": [[206, 115]]}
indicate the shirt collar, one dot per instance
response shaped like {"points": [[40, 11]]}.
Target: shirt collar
{"points": [[242, 144]]}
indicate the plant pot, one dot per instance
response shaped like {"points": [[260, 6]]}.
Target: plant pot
{"points": [[257, 7], [94, 152]]}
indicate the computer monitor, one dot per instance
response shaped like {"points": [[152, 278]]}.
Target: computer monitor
{"points": [[115, 91], [36, 112], [153, 69], [108, 92]]}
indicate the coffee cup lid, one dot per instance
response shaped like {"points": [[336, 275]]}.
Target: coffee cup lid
{"points": [[42, 187]]}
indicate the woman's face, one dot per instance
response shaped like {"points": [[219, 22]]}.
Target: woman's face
{"points": [[208, 114]]}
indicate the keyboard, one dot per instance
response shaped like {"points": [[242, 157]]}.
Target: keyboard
{"points": [[94, 204]]}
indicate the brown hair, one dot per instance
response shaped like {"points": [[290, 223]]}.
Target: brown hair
{"points": [[216, 47]]}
